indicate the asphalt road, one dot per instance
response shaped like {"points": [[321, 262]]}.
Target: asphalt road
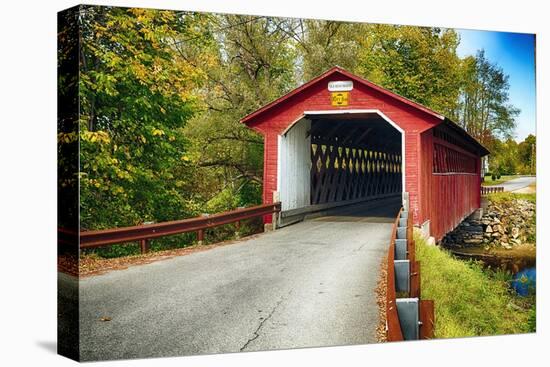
{"points": [[518, 183], [307, 285]]}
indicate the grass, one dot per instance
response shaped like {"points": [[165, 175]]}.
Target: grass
{"points": [[499, 197], [469, 300], [490, 182]]}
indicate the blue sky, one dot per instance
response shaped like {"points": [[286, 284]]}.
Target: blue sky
{"points": [[514, 53]]}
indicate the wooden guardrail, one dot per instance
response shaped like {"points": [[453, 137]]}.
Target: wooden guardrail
{"points": [[145, 232], [486, 190], [407, 318]]}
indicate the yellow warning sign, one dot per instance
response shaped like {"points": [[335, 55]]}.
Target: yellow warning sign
{"points": [[339, 98]]}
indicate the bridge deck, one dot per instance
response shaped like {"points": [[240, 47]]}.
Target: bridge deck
{"points": [[306, 285]]}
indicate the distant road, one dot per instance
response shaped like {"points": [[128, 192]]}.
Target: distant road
{"points": [[518, 183]]}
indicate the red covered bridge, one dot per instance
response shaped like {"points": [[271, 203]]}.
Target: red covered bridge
{"points": [[340, 140]]}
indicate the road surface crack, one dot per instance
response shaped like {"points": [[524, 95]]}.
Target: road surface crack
{"points": [[256, 333]]}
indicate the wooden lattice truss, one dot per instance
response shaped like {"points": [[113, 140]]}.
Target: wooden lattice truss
{"points": [[340, 172]]}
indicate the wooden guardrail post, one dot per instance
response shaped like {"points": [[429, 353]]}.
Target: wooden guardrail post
{"points": [[415, 279], [411, 251], [144, 246], [427, 319], [275, 215], [200, 237], [274, 221], [238, 229]]}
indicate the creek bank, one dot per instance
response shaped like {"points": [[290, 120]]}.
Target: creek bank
{"points": [[504, 237]]}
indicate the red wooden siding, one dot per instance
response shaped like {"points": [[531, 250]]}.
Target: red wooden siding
{"points": [[447, 197]]}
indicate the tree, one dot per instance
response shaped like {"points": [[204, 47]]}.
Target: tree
{"points": [[527, 155], [136, 95], [323, 44], [416, 62], [484, 109], [252, 63]]}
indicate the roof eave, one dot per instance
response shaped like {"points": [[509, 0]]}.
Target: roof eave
{"points": [[482, 150], [247, 119]]}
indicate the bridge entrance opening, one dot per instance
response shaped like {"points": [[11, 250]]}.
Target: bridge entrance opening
{"points": [[329, 160]]}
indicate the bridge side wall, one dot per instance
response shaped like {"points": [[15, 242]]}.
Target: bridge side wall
{"points": [[446, 198]]}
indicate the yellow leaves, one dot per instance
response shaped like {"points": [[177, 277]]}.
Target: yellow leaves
{"points": [[117, 190], [95, 183], [101, 137], [171, 138], [185, 95], [185, 158], [66, 137], [123, 175], [140, 71], [142, 138], [157, 132]]}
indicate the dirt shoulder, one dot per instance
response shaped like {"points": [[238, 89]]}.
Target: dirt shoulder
{"points": [[89, 265], [381, 301]]}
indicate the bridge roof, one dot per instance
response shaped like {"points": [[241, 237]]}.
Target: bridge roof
{"points": [[252, 117]]}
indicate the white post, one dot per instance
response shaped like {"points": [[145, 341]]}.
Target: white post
{"points": [[274, 216]]}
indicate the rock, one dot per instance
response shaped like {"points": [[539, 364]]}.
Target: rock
{"points": [[504, 225], [474, 229], [506, 245]]}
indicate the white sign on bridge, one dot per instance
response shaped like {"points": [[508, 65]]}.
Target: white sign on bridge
{"points": [[340, 86]]}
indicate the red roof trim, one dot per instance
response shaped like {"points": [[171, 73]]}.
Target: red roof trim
{"points": [[338, 69]]}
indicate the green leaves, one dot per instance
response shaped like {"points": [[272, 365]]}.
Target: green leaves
{"points": [[135, 96]]}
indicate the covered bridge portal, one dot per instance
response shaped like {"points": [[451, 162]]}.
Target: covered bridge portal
{"points": [[340, 140]]}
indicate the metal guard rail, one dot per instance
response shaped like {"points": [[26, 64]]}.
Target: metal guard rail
{"points": [[392, 318], [486, 190], [145, 232], [395, 329]]}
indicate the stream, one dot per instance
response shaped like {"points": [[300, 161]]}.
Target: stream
{"points": [[519, 261]]}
